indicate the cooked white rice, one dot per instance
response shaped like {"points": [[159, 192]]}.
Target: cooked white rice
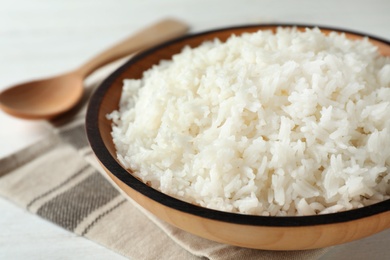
{"points": [[292, 123]]}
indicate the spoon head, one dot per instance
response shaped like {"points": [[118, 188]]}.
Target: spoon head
{"points": [[43, 99]]}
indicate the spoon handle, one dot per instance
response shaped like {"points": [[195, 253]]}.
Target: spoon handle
{"points": [[157, 33]]}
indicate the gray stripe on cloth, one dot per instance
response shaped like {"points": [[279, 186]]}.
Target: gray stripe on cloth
{"points": [[28, 154], [71, 207], [75, 136], [85, 231], [43, 195]]}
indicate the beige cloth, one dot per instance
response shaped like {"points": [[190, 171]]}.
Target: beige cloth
{"points": [[60, 180]]}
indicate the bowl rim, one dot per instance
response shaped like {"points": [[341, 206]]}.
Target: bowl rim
{"points": [[103, 155]]}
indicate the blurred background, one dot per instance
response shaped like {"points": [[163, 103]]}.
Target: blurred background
{"points": [[64, 33], [41, 38]]}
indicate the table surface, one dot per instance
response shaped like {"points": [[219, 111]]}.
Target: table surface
{"points": [[40, 38]]}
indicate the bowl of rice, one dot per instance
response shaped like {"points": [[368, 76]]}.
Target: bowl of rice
{"points": [[253, 136]]}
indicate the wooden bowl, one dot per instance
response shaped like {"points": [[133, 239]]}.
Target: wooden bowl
{"points": [[272, 233]]}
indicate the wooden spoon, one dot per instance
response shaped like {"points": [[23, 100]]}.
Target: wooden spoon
{"points": [[48, 98]]}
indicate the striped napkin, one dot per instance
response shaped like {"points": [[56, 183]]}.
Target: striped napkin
{"points": [[60, 180]]}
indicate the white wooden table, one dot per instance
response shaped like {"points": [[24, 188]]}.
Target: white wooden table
{"points": [[40, 38]]}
